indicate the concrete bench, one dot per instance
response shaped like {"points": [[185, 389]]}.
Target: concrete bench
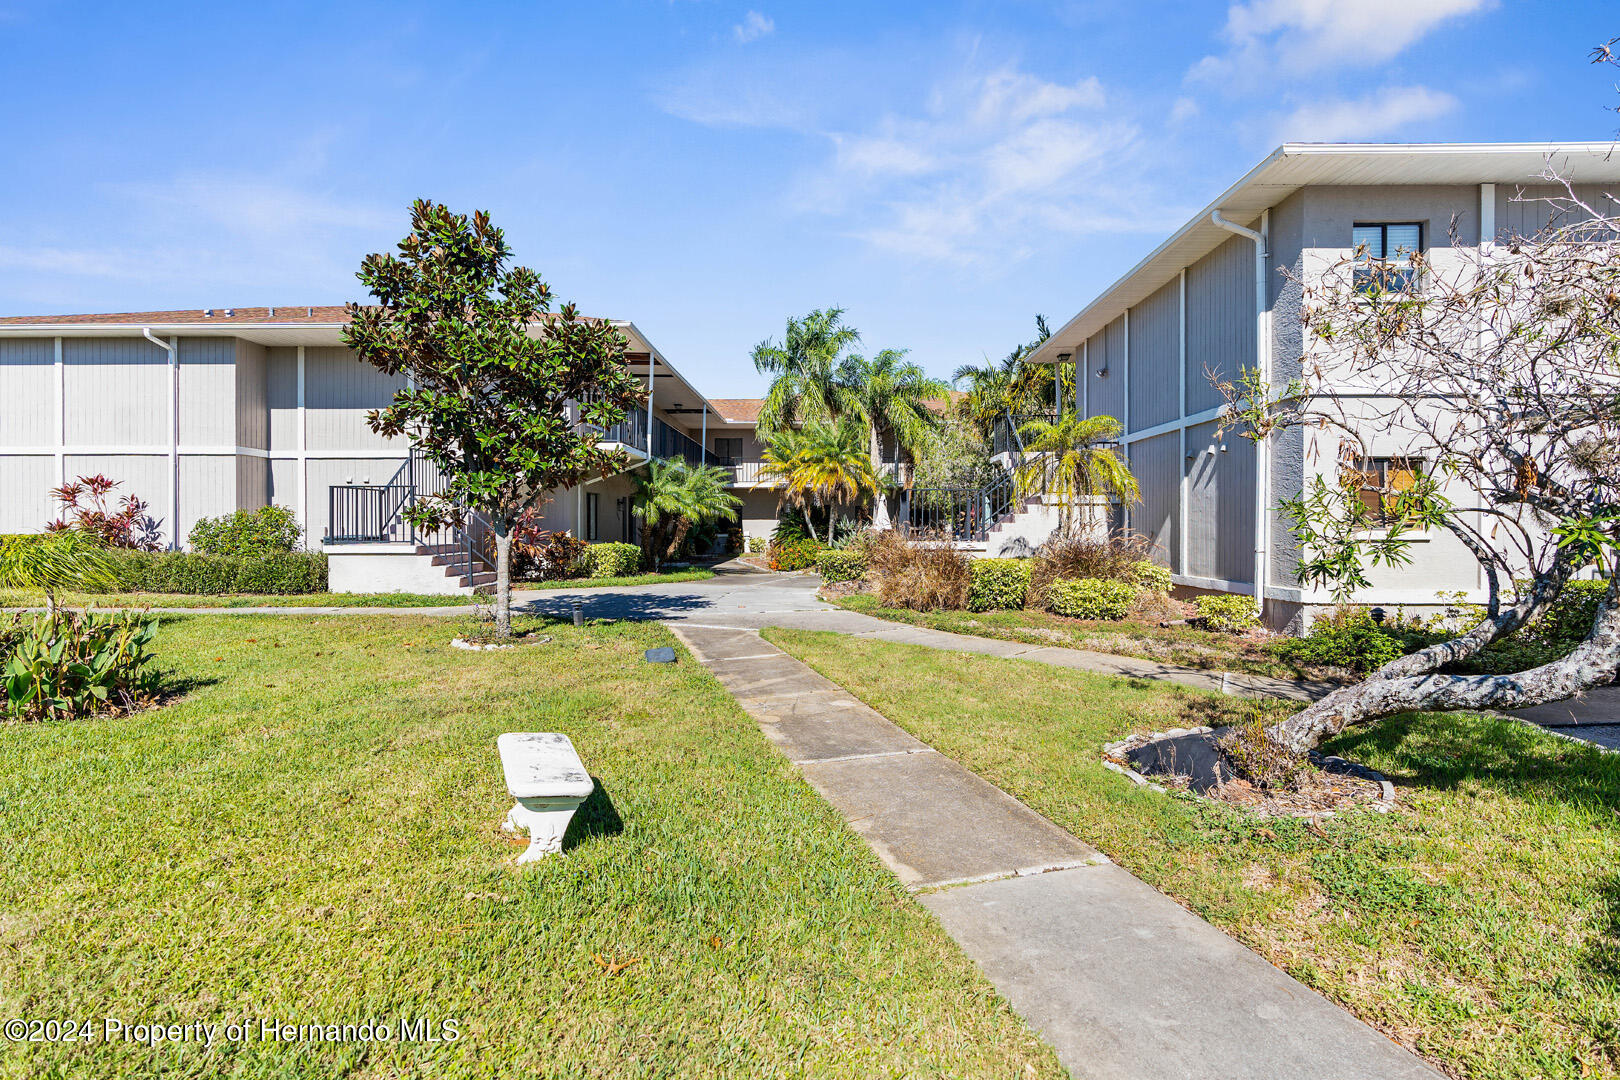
{"points": [[546, 777]]}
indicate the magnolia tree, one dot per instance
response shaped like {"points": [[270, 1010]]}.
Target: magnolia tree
{"points": [[1496, 370], [492, 376]]}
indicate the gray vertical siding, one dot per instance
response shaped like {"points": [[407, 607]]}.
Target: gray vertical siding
{"points": [[252, 405], [1220, 320], [25, 484], [145, 476], [1156, 464], [28, 390], [1519, 214], [207, 488], [252, 482], [281, 397], [1155, 356], [338, 392], [1106, 393], [117, 392], [1220, 505], [207, 392], [282, 477]]}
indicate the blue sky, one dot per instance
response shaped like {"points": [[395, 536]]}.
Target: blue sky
{"points": [[706, 168]]}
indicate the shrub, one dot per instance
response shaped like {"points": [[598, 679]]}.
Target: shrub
{"points": [[1227, 612], [611, 560], [841, 565], [1258, 759], [1562, 626], [1354, 643], [269, 530], [998, 583], [217, 575], [1090, 598], [1114, 558], [85, 508], [74, 664], [758, 545], [921, 576], [1152, 576], [795, 554]]}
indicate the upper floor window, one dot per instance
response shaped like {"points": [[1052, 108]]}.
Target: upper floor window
{"points": [[1382, 256], [728, 450]]}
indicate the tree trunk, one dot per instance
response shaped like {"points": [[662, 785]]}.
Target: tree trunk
{"points": [[1594, 662], [503, 575], [880, 501], [682, 526]]}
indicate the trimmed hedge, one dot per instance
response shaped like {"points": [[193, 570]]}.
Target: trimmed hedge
{"points": [[218, 575], [841, 565], [1090, 598], [998, 583], [611, 560], [1227, 612]]}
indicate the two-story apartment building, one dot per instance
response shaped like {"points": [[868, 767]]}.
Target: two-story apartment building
{"points": [[1223, 294], [202, 412]]}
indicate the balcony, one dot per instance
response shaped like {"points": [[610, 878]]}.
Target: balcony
{"points": [[754, 474]]}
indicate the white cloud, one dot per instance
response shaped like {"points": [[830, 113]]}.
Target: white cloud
{"points": [[994, 163], [753, 27], [1293, 37], [1183, 110], [1370, 117]]}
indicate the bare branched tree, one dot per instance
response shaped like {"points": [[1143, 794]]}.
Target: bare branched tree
{"points": [[1497, 368]]}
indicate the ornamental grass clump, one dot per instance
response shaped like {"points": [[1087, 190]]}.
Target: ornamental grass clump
{"points": [[920, 575], [1114, 558], [74, 664]]}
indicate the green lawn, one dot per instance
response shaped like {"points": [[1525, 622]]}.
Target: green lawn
{"points": [[310, 833], [1201, 649], [15, 598], [1480, 923]]}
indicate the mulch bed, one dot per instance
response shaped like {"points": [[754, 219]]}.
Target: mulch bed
{"points": [[1189, 760]]}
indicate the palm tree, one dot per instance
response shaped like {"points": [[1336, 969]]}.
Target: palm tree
{"points": [[803, 370], [1005, 387], [65, 559], [823, 465], [1074, 459], [890, 397], [671, 497]]}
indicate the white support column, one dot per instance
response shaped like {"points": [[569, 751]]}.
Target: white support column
{"points": [[1085, 379], [704, 436], [1487, 216], [1079, 379], [1125, 420], [174, 444], [1181, 414], [652, 386], [302, 506], [59, 376]]}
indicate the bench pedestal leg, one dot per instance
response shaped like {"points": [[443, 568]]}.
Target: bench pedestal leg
{"points": [[545, 820]]}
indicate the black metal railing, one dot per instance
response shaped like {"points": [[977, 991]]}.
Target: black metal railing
{"points": [[961, 514], [631, 431], [1005, 437], [378, 513], [667, 442]]}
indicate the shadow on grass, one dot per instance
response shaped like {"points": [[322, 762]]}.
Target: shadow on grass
{"points": [[1439, 751], [596, 817]]}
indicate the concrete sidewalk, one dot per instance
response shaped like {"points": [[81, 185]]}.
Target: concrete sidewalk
{"points": [[1118, 978]]}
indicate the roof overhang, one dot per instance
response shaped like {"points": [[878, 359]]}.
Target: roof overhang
{"points": [[1296, 165]]}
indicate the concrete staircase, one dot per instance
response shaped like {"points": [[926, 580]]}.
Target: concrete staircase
{"points": [[453, 559]]}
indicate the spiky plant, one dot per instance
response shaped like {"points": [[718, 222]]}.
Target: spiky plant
{"points": [[1074, 460]]}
